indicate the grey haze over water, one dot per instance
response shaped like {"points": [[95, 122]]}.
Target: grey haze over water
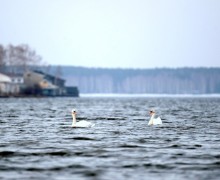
{"points": [[37, 142]]}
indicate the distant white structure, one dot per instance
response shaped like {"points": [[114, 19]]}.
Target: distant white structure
{"points": [[4, 78], [17, 79], [7, 87]]}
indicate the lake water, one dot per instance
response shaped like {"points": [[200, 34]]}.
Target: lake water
{"points": [[37, 141]]}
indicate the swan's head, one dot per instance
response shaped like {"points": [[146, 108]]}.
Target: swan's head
{"points": [[152, 111], [73, 111]]}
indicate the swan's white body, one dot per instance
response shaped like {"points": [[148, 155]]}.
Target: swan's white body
{"points": [[153, 120], [80, 124]]}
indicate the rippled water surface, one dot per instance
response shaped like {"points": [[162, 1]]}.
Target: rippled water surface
{"points": [[37, 141]]}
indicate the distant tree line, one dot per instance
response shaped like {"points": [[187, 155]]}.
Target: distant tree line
{"points": [[158, 80]]}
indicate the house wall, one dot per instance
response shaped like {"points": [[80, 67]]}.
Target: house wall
{"points": [[9, 88], [32, 79], [18, 80]]}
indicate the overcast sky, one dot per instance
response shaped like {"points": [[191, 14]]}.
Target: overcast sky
{"points": [[116, 33]]}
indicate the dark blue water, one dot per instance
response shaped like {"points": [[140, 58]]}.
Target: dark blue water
{"points": [[37, 142]]}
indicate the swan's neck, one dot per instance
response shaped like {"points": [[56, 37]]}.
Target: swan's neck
{"points": [[74, 119], [152, 116]]}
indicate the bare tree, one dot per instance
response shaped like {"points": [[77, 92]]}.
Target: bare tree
{"points": [[2, 57], [58, 72], [21, 55], [48, 68]]}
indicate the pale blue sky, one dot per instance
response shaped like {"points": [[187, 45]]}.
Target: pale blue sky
{"points": [[116, 33]]}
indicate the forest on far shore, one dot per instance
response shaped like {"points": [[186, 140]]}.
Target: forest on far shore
{"points": [[157, 80]]}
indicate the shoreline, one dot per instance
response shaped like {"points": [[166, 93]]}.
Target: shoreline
{"points": [[147, 95]]}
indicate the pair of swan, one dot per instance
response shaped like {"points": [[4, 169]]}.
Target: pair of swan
{"points": [[84, 124]]}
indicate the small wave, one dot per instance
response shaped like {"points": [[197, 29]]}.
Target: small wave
{"points": [[198, 145], [115, 118], [100, 118], [6, 153], [83, 138], [116, 132], [158, 166], [185, 146], [52, 153], [131, 166], [91, 173], [42, 169], [58, 153], [129, 146], [217, 156], [14, 116], [143, 141]]}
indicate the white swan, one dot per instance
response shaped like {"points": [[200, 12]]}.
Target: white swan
{"points": [[81, 124], [153, 120]]}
